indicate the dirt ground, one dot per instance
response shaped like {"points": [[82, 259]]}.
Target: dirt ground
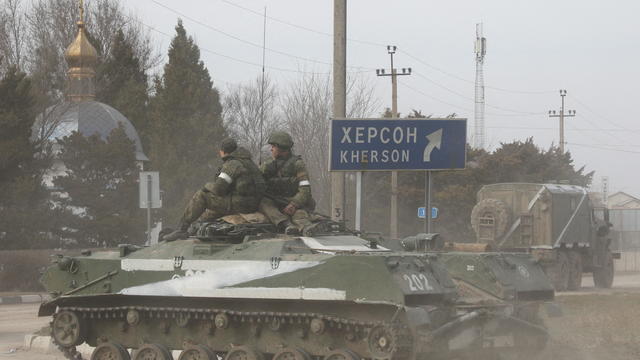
{"points": [[596, 325]]}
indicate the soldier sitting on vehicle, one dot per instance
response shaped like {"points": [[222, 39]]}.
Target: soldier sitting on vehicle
{"points": [[238, 188], [288, 200]]}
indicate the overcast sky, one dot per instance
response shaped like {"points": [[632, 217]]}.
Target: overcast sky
{"points": [[534, 48]]}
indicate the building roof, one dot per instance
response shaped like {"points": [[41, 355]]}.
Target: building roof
{"points": [[80, 52], [88, 118], [621, 199]]}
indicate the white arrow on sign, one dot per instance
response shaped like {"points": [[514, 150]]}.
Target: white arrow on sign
{"points": [[435, 140]]}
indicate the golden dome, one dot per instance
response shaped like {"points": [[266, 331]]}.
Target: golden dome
{"points": [[81, 54]]}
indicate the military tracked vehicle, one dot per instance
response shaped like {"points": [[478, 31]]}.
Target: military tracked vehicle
{"points": [[243, 292], [556, 223]]}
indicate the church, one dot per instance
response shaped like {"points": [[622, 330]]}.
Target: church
{"points": [[80, 111]]}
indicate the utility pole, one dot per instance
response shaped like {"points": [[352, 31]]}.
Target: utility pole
{"points": [[562, 115], [339, 97], [391, 49]]}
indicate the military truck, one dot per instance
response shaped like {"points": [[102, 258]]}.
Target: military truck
{"points": [[557, 223]]}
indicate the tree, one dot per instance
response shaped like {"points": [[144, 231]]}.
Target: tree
{"points": [[186, 124], [98, 192], [50, 27], [454, 192], [306, 110], [23, 204], [12, 35], [122, 82], [242, 112]]}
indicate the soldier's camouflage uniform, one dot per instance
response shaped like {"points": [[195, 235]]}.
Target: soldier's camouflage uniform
{"points": [[287, 182], [238, 188]]}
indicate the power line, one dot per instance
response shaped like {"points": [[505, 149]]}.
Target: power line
{"points": [[234, 58], [471, 99], [244, 40], [372, 43], [605, 131], [598, 115], [521, 115], [435, 98], [603, 148], [553, 128], [473, 82]]}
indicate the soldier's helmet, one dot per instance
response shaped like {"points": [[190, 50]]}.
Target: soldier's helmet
{"points": [[228, 145], [281, 139]]}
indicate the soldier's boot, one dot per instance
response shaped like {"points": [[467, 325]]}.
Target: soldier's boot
{"points": [[287, 227], [318, 227], [292, 230], [180, 233]]}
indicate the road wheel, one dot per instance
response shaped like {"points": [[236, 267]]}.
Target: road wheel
{"points": [[603, 276], [291, 354], [559, 271], [197, 352], [342, 354], [575, 270], [153, 352], [110, 351], [68, 329], [244, 353]]}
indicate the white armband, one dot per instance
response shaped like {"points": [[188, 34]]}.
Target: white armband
{"points": [[304, 183], [225, 177]]}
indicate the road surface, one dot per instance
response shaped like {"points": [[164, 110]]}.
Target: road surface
{"points": [[16, 321]]}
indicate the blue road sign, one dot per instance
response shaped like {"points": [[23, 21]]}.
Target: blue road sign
{"points": [[422, 212], [400, 144]]}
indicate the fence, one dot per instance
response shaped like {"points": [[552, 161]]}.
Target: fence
{"points": [[629, 261], [626, 229]]}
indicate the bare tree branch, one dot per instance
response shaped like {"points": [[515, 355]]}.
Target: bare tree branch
{"points": [[12, 34], [242, 114], [51, 28], [307, 108]]}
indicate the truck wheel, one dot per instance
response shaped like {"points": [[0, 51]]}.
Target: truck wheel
{"points": [[575, 270], [493, 209], [603, 276], [559, 271]]}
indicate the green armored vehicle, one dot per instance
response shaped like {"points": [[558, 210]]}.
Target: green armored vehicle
{"points": [[243, 292], [556, 223]]}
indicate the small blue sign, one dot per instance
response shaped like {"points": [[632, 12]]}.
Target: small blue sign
{"points": [[397, 144], [422, 211]]}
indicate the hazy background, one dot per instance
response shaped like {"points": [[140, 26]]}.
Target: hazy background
{"points": [[590, 48]]}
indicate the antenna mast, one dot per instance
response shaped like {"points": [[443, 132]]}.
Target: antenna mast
{"points": [[481, 50], [264, 41]]}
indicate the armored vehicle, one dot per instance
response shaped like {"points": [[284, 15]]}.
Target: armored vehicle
{"points": [[557, 223], [243, 292]]}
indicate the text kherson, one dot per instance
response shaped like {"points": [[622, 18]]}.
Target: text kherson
{"points": [[373, 156], [386, 135], [371, 135]]}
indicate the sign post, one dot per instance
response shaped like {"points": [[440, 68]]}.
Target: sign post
{"points": [[149, 183], [398, 144], [427, 201], [358, 217]]}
